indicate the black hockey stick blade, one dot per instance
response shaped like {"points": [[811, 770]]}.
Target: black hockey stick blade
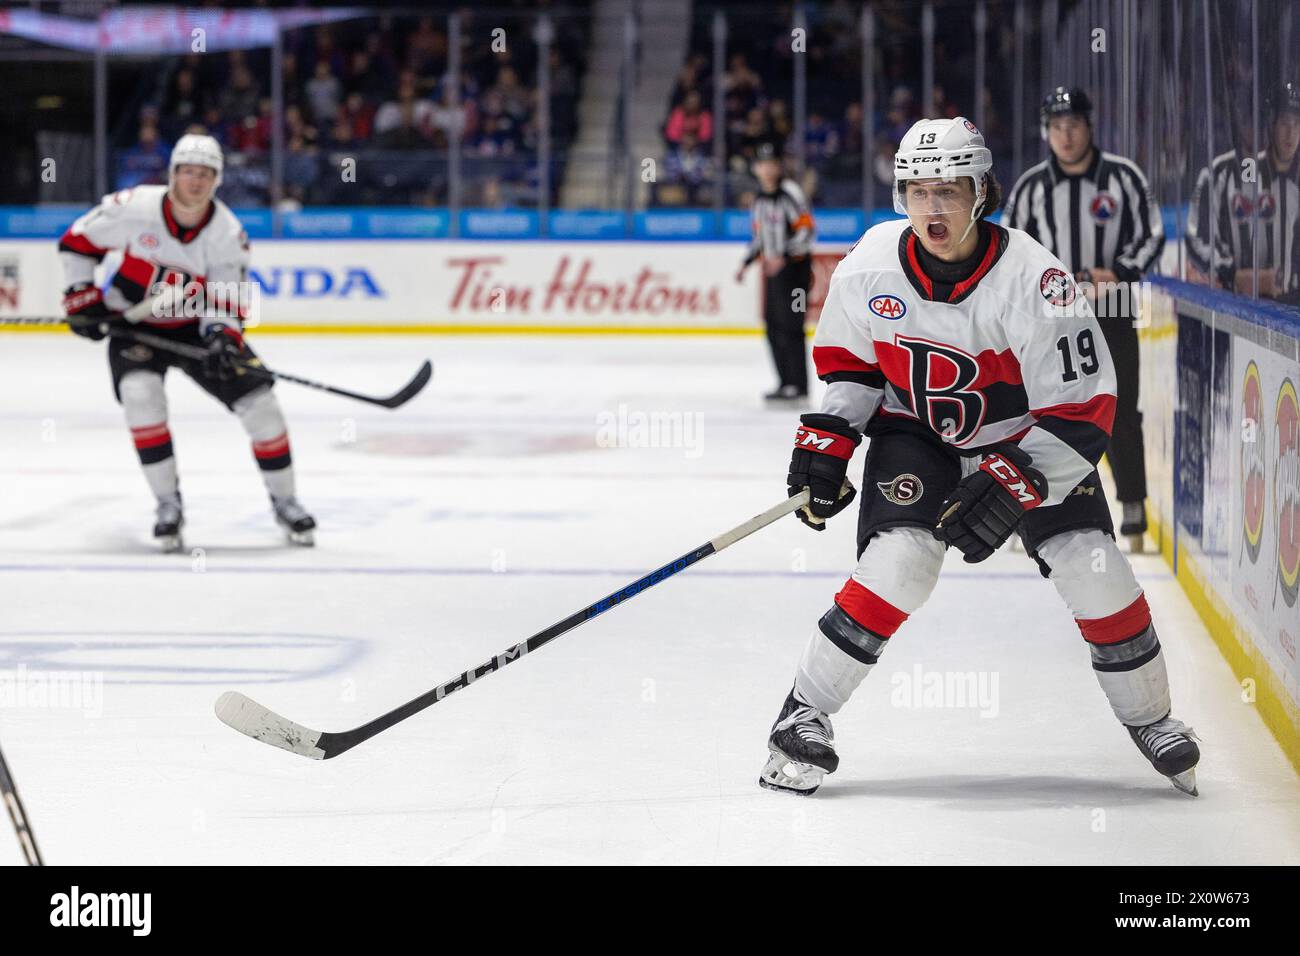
{"points": [[253, 720], [412, 388]]}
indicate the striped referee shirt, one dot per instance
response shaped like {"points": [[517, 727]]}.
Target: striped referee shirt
{"points": [[782, 224], [1234, 209], [1104, 217]]}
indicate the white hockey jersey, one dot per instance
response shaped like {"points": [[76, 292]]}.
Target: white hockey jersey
{"points": [[1013, 353], [210, 258]]}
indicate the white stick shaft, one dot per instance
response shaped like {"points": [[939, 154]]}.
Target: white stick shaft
{"points": [[789, 506]]}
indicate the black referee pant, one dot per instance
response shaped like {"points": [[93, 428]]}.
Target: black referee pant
{"points": [[1125, 453], [783, 314]]}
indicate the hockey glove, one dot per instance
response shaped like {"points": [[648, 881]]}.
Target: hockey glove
{"points": [[224, 347], [985, 507], [823, 445], [87, 314]]}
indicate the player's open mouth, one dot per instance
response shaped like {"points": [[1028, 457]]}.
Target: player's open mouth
{"points": [[937, 231]]}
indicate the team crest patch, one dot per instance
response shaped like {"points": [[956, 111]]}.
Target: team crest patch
{"points": [[888, 306], [1056, 287], [1103, 206], [903, 490], [1267, 206], [971, 127], [137, 353], [148, 240]]}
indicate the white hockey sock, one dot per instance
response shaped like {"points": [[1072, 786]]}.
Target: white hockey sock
{"points": [[1096, 582], [144, 403], [894, 577], [264, 422]]}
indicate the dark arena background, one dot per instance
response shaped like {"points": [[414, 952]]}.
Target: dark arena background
{"points": [[610, 228]]}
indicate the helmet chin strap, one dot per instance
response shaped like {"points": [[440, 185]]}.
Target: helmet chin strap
{"points": [[981, 196]]}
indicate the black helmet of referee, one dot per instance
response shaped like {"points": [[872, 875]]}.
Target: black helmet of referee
{"points": [[1064, 101], [1286, 97]]}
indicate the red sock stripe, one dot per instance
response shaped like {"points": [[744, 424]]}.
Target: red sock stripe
{"points": [[869, 609], [272, 448], [1120, 626], [151, 436]]}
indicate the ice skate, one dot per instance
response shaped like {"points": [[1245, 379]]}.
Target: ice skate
{"points": [[1171, 748], [168, 522], [1134, 525], [298, 525], [802, 749]]}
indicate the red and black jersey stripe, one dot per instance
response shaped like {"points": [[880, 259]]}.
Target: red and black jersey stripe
{"points": [[835, 364], [1084, 426], [78, 244]]}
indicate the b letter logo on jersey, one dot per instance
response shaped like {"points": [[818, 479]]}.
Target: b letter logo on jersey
{"points": [[903, 490], [1056, 287], [940, 377], [1103, 206], [888, 306]]}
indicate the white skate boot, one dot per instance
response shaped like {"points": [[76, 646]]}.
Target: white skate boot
{"points": [[298, 525]]}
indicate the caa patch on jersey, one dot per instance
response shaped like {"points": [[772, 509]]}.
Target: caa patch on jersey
{"points": [[1056, 287], [888, 306], [903, 490]]}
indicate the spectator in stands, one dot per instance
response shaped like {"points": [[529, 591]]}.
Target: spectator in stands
{"points": [[757, 130], [779, 118], [448, 117], [146, 161], [515, 100], [392, 114], [689, 119], [426, 49], [499, 133], [369, 78], [252, 134], [324, 92], [240, 97], [360, 115], [184, 103], [900, 115], [941, 107], [821, 137], [689, 165], [301, 167], [408, 133], [742, 82], [850, 132]]}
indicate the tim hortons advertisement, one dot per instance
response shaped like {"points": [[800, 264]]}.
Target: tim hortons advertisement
{"points": [[631, 285]]}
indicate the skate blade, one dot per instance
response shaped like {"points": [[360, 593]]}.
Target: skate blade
{"points": [[169, 543], [788, 776], [303, 539], [1185, 782]]}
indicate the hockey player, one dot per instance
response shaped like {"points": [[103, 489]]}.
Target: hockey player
{"points": [[968, 356], [179, 237]]}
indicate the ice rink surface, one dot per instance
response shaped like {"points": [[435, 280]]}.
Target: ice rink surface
{"points": [[515, 490]]}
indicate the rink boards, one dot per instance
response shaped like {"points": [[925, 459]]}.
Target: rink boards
{"points": [[1222, 426]]}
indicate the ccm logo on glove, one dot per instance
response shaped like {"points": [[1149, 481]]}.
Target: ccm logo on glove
{"points": [[1009, 477], [828, 443]]}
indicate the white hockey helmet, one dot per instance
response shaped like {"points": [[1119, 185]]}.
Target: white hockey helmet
{"points": [[196, 149], [942, 149]]}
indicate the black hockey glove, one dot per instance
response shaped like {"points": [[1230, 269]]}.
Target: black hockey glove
{"points": [[224, 346], [87, 314], [985, 507], [823, 445]]}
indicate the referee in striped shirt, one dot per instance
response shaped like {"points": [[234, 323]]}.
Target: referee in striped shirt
{"points": [[1272, 200], [1094, 210], [783, 236]]}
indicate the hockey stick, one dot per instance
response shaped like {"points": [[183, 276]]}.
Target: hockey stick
{"points": [[142, 310], [19, 817], [251, 718], [397, 399]]}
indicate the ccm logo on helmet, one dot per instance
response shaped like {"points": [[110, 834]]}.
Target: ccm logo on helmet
{"points": [[888, 306]]}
